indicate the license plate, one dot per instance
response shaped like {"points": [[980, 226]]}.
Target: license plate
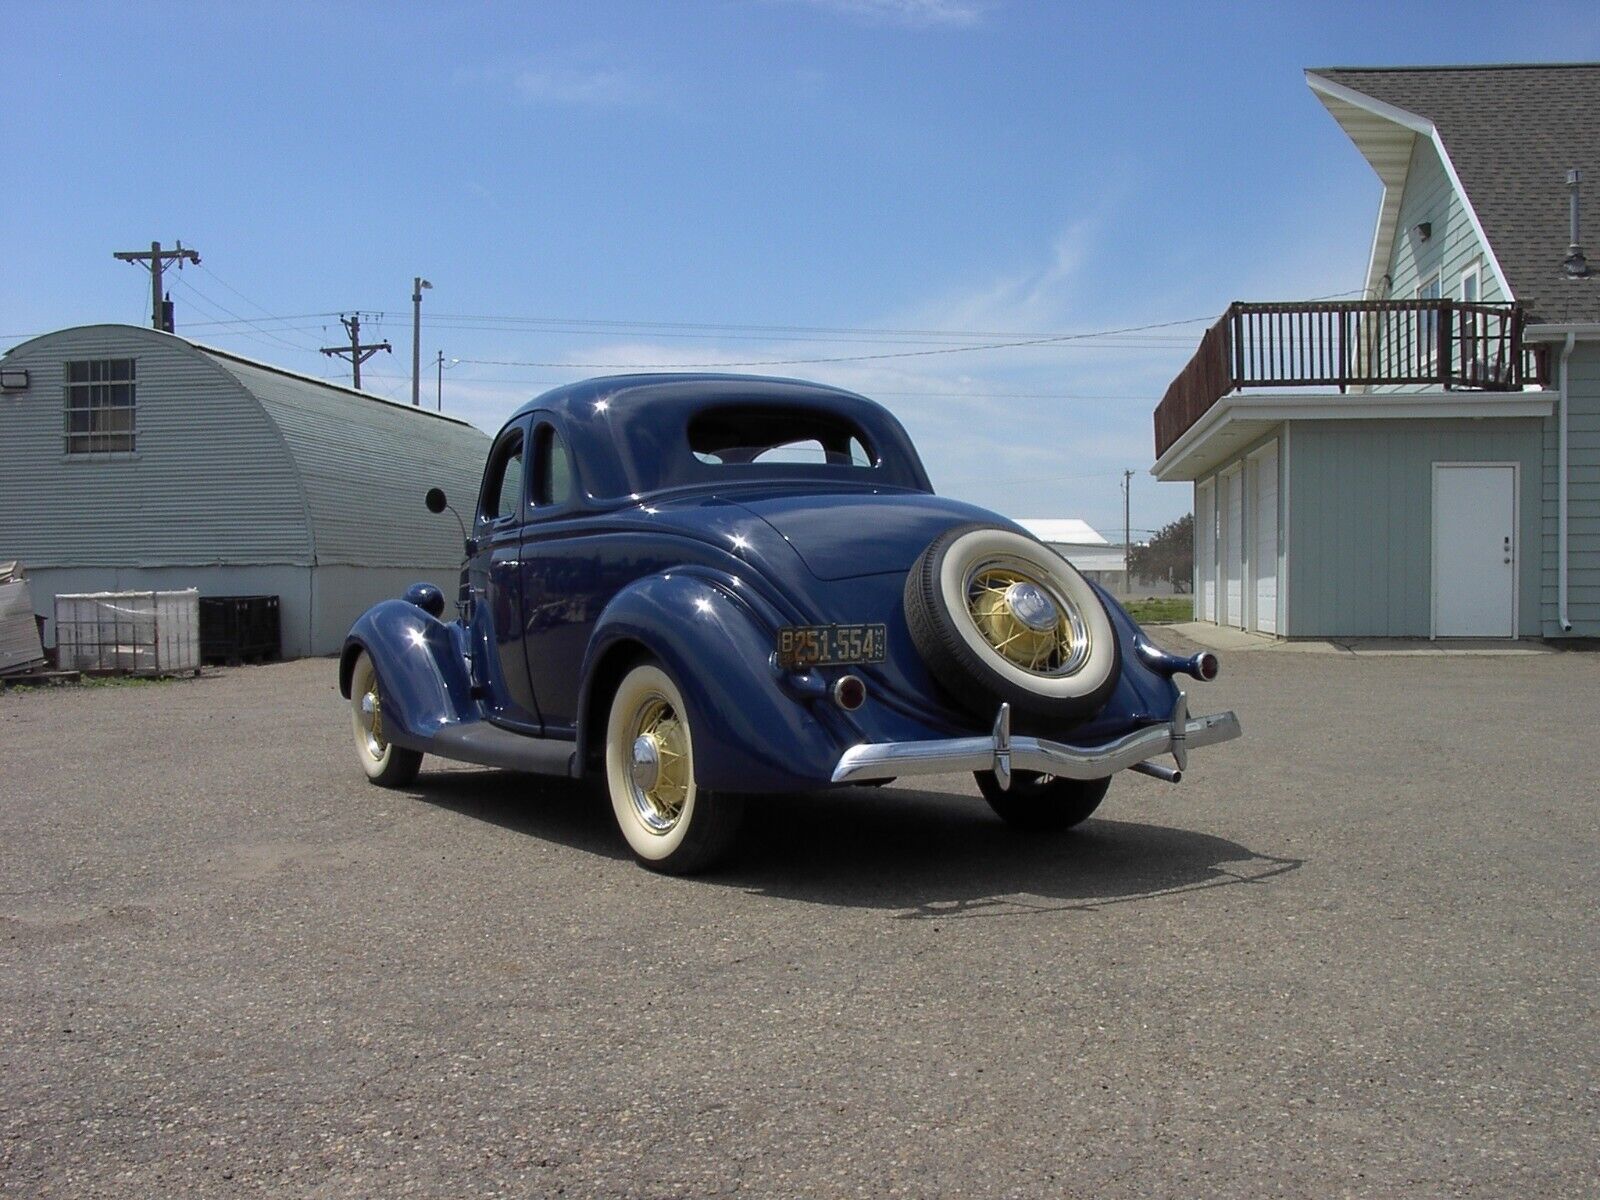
{"points": [[830, 645]]}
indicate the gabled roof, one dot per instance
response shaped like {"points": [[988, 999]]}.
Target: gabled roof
{"points": [[1508, 134]]}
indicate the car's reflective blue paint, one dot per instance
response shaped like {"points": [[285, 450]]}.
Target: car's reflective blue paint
{"points": [[421, 663], [698, 570]]}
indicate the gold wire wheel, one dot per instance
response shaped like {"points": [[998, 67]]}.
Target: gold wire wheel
{"points": [[369, 712], [1027, 621], [659, 771]]}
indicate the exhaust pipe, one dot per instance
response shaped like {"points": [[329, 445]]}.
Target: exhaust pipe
{"points": [[1204, 666], [1157, 771]]}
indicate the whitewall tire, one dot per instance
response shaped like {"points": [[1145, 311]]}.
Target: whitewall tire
{"points": [[386, 764], [999, 617], [669, 822]]}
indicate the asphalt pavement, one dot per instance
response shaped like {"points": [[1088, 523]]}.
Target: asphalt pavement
{"points": [[1354, 953]]}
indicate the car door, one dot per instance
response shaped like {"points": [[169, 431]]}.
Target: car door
{"points": [[564, 584], [494, 583]]}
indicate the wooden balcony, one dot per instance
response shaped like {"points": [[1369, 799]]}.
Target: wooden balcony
{"points": [[1356, 343]]}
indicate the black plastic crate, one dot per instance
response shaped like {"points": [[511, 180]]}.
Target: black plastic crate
{"points": [[237, 629]]}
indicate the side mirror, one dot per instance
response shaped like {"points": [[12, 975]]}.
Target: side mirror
{"points": [[435, 500]]}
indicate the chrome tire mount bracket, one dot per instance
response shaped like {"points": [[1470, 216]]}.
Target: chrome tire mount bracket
{"points": [[1002, 747]]}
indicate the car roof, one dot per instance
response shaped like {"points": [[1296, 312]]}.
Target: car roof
{"points": [[625, 394], [621, 425]]}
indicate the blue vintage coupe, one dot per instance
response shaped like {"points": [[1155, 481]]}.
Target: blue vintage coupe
{"points": [[701, 587]]}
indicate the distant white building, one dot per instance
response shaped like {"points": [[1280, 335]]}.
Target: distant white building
{"points": [[1096, 558], [1063, 531]]}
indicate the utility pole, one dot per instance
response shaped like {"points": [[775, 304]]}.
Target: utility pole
{"points": [[417, 284], [438, 396], [1127, 531], [357, 352], [156, 259]]}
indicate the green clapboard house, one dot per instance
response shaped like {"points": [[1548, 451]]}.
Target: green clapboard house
{"points": [[1423, 462]]}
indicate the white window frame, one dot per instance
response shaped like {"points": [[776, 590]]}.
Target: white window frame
{"points": [[1428, 327], [95, 396], [1475, 273]]}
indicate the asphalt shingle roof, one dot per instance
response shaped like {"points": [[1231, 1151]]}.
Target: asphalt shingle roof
{"points": [[1513, 131]]}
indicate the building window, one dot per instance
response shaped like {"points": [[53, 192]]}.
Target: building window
{"points": [[1471, 284], [98, 416], [1428, 324]]}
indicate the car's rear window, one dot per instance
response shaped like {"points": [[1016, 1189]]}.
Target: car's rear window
{"points": [[742, 437]]}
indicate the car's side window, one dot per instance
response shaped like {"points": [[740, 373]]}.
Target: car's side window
{"points": [[552, 469], [502, 482]]}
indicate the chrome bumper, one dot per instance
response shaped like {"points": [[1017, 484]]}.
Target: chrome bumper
{"points": [[1001, 753]]}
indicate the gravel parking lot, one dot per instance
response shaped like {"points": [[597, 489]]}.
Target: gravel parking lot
{"points": [[1355, 953]]}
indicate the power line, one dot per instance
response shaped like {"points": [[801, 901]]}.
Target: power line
{"points": [[703, 327], [267, 333], [925, 394], [1056, 339], [267, 313], [1065, 341]]}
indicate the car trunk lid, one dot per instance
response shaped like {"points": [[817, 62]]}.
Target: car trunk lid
{"points": [[845, 535]]}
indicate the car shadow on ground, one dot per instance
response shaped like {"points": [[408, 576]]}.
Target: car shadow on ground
{"points": [[917, 854]]}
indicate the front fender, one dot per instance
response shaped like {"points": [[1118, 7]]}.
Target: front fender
{"points": [[715, 638], [421, 663]]}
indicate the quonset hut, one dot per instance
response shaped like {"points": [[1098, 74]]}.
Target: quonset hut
{"points": [[132, 459]]}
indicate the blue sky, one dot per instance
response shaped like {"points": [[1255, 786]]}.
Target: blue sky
{"points": [[725, 182]]}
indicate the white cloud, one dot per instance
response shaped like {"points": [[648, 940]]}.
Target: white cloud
{"points": [[919, 14], [589, 82], [599, 87], [1034, 299]]}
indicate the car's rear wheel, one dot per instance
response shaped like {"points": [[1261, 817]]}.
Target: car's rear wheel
{"points": [[671, 824], [386, 764], [1041, 803], [998, 617]]}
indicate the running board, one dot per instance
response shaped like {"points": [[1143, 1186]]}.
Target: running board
{"points": [[491, 745]]}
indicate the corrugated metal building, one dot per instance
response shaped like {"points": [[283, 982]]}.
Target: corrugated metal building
{"points": [[134, 459]]}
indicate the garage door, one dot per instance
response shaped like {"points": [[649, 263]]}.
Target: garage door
{"points": [[1205, 551], [1232, 501], [1264, 539]]}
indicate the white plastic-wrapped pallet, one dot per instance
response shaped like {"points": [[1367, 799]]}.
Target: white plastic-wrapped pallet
{"points": [[19, 633], [129, 631]]}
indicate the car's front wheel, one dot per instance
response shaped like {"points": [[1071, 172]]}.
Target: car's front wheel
{"points": [[669, 823], [1042, 803], [386, 764]]}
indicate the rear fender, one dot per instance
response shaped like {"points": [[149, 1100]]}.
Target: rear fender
{"points": [[421, 665], [716, 639]]}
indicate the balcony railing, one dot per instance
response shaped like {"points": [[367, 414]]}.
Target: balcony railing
{"points": [[1357, 343]]}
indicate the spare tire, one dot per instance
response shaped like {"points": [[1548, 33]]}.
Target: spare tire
{"points": [[999, 617]]}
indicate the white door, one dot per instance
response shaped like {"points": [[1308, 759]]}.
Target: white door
{"points": [[1474, 550], [1233, 549], [1205, 551], [1264, 540]]}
